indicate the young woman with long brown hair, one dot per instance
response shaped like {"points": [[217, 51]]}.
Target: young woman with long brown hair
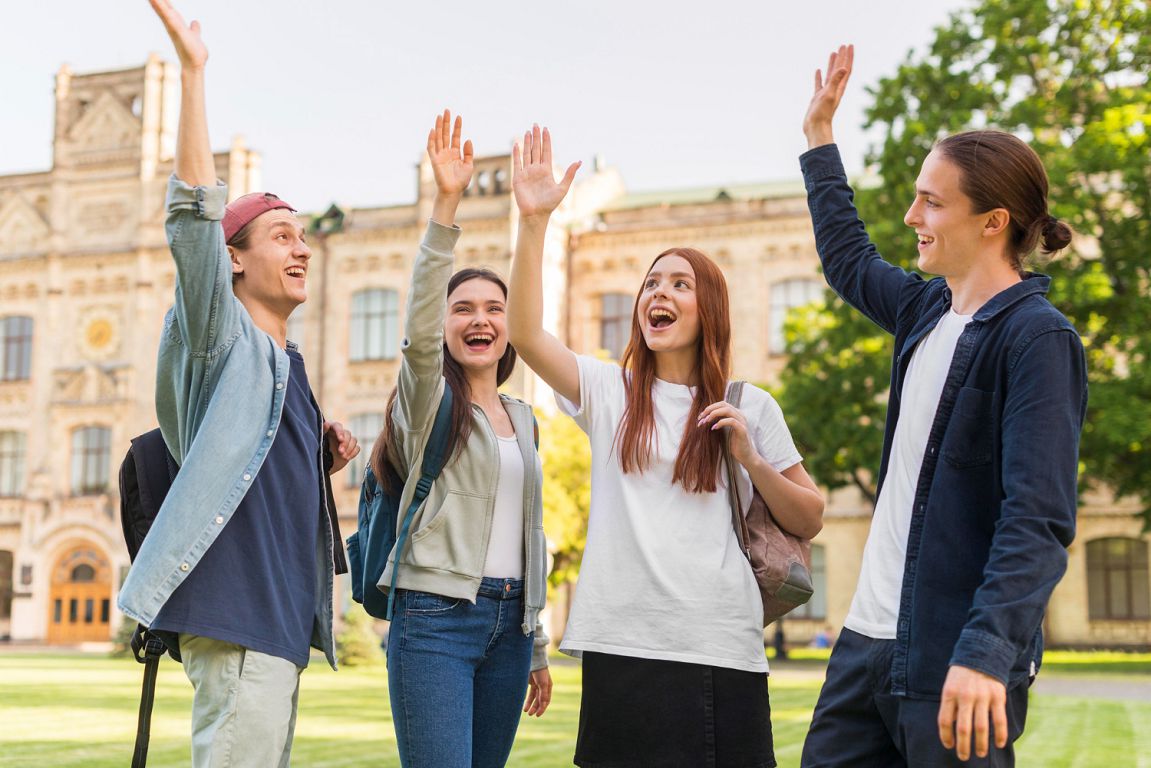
{"points": [[667, 617], [465, 644]]}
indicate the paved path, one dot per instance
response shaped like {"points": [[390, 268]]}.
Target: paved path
{"points": [[1136, 688]]}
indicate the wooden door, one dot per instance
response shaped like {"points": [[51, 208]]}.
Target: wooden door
{"points": [[80, 603]]}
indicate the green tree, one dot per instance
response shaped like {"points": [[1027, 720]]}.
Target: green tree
{"points": [[357, 644], [566, 458], [1070, 77]]}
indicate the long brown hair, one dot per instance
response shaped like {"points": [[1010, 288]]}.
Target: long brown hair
{"points": [[700, 450], [456, 379]]}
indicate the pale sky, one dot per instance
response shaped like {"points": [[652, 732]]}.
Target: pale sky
{"points": [[338, 95]]}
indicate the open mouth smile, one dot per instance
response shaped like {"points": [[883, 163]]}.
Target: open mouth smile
{"points": [[479, 341], [659, 318]]}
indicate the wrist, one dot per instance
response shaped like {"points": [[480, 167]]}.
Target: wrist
{"points": [[818, 136], [535, 221]]}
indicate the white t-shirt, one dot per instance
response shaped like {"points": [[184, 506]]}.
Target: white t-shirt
{"points": [[662, 575], [505, 559], [875, 607]]}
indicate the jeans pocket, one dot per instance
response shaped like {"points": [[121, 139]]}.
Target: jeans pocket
{"points": [[428, 603]]}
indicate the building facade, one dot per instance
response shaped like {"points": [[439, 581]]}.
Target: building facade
{"points": [[85, 279]]}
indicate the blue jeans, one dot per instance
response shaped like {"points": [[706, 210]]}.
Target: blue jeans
{"points": [[458, 675], [858, 721]]}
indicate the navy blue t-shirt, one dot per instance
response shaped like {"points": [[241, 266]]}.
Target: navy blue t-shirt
{"points": [[256, 585]]}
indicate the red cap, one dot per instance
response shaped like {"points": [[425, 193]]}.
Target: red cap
{"points": [[241, 211]]}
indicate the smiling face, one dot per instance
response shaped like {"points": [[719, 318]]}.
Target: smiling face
{"points": [[475, 329], [666, 309], [272, 268], [951, 233]]}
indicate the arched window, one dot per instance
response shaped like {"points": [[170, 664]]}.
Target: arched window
{"points": [[366, 428], [816, 607], [786, 296], [375, 330], [83, 573], [1118, 585], [91, 451], [615, 322], [11, 463], [15, 348]]}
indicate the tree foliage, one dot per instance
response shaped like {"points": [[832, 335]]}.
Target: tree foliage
{"points": [[566, 458], [1071, 78]]}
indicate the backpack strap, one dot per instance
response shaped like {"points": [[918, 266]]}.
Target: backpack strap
{"points": [[435, 454]]}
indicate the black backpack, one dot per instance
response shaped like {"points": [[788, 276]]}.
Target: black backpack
{"points": [[146, 474]]}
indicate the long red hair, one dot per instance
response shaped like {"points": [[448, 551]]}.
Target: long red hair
{"points": [[700, 450]]}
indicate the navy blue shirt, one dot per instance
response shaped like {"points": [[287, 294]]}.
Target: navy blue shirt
{"points": [[994, 508], [256, 584]]}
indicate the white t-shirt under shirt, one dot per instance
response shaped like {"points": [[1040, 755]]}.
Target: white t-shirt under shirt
{"points": [[505, 558], [662, 574], [875, 607]]}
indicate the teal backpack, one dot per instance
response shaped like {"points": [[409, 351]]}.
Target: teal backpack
{"points": [[380, 528]]}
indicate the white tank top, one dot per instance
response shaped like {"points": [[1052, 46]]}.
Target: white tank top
{"points": [[505, 558]]}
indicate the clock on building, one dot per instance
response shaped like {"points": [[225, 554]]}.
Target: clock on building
{"points": [[99, 334]]}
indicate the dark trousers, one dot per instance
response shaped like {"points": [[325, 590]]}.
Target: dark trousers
{"points": [[858, 722]]}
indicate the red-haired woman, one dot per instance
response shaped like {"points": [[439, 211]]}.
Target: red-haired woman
{"points": [[667, 617]]}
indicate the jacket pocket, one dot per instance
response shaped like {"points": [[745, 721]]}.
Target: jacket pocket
{"points": [[451, 539], [970, 437]]}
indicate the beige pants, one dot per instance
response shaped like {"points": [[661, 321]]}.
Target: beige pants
{"points": [[244, 706]]}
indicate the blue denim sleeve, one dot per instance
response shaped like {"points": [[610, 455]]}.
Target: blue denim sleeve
{"points": [[852, 265], [205, 311], [1045, 404]]}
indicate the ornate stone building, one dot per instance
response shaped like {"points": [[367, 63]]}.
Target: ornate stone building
{"points": [[85, 278]]}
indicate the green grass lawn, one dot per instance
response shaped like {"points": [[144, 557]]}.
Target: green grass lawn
{"points": [[58, 710]]}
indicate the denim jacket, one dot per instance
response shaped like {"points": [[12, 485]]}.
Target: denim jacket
{"points": [[994, 507], [220, 386]]}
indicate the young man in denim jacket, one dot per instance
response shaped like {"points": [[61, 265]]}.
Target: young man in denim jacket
{"points": [[977, 487], [238, 566]]}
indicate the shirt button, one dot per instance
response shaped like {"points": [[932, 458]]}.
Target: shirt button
{"points": [[247, 477], [219, 519], [279, 385], [270, 432], [183, 566], [931, 450]]}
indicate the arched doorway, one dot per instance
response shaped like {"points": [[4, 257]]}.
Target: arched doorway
{"points": [[81, 596]]}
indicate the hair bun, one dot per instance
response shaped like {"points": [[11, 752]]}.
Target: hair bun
{"points": [[1056, 235]]}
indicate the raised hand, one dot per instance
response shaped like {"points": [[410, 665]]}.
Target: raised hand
{"points": [[536, 190], [452, 167], [828, 94], [186, 37]]}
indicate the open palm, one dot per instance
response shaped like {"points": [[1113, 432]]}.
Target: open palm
{"points": [[186, 37], [536, 190], [451, 165]]}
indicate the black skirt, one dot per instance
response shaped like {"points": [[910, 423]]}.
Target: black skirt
{"points": [[669, 714]]}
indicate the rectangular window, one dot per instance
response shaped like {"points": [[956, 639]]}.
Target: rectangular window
{"points": [[816, 607], [615, 323], [11, 463], [91, 455], [1118, 582], [375, 328], [366, 428], [786, 296], [57, 611], [15, 348], [104, 607]]}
